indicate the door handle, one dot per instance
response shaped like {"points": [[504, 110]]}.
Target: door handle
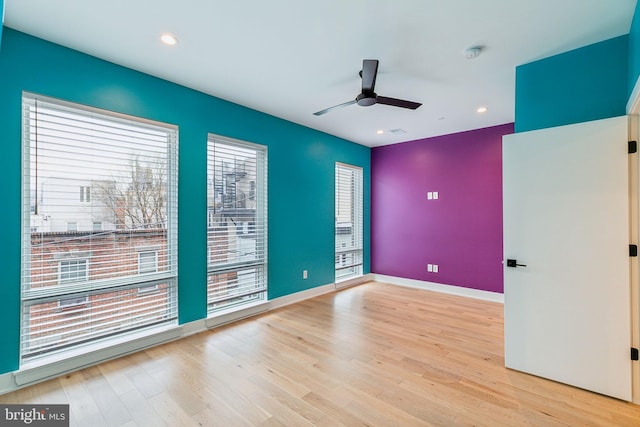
{"points": [[514, 263]]}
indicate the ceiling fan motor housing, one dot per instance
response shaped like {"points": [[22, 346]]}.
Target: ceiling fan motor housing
{"points": [[366, 99]]}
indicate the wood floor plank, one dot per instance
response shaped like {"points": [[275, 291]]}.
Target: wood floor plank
{"points": [[170, 411], [140, 410], [371, 355], [84, 409]]}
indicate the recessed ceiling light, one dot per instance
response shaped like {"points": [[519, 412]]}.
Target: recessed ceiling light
{"points": [[168, 39], [379, 131], [481, 110], [473, 52]]}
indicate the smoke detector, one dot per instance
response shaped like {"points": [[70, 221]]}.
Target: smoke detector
{"points": [[473, 52]]}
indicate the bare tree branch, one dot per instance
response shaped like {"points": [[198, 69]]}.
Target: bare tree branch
{"points": [[137, 200]]}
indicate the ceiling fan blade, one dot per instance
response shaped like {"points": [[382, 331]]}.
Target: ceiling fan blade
{"points": [[335, 107], [368, 74], [397, 102]]}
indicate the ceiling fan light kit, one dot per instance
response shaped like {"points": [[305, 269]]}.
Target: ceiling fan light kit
{"points": [[367, 96]]}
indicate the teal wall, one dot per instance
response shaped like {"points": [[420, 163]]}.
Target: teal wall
{"points": [[585, 84], [634, 50], [301, 165]]}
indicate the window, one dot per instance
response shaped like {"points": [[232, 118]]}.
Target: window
{"points": [[348, 227], [237, 223], [72, 302], [147, 262], [85, 194], [80, 286], [72, 271]]}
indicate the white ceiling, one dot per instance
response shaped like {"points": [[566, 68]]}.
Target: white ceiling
{"points": [[290, 58]]}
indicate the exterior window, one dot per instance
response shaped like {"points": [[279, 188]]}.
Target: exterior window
{"points": [[72, 271], [147, 262], [237, 223], [348, 227], [85, 194], [72, 302], [79, 286]]}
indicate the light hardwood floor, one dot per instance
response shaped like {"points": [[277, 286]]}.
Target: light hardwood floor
{"points": [[372, 355]]}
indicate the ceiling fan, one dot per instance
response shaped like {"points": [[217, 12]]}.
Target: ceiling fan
{"points": [[368, 97]]}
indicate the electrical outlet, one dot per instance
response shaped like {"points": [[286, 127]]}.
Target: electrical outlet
{"points": [[435, 268], [305, 274], [430, 268]]}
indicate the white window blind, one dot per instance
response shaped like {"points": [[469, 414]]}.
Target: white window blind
{"points": [[79, 281], [348, 227], [237, 223]]}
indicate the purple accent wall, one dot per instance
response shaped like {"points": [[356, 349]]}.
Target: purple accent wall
{"points": [[461, 232]]}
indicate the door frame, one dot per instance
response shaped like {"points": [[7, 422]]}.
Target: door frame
{"points": [[633, 111]]}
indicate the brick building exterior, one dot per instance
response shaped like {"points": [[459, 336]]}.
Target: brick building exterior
{"points": [[91, 271]]}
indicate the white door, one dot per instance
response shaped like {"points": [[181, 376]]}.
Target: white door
{"points": [[566, 217]]}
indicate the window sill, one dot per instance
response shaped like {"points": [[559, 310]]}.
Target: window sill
{"points": [[351, 281], [236, 313]]}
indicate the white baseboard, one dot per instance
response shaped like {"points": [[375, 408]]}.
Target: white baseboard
{"points": [[301, 296], [438, 287], [193, 328], [6, 383]]}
